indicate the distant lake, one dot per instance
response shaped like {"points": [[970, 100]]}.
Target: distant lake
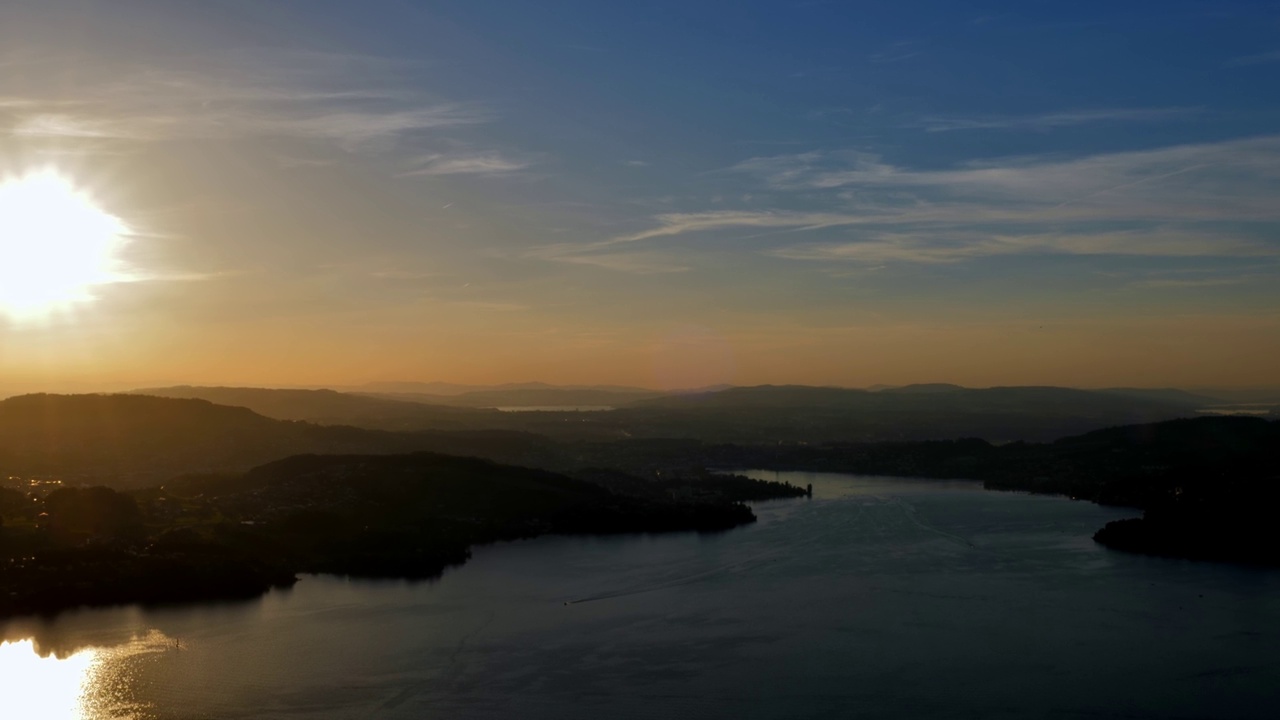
{"points": [[555, 408], [1253, 409], [877, 598]]}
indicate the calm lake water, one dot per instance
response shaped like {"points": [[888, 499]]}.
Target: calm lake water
{"points": [[877, 598], [555, 408]]}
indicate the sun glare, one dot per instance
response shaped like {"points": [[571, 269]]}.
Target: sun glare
{"points": [[38, 687], [56, 246]]}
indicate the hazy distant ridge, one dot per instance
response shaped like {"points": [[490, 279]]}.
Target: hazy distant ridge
{"points": [[130, 439], [443, 388], [329, 407], [766, 413]]}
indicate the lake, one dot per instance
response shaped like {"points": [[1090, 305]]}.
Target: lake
{"points": [[554, 408], [876, 598]]}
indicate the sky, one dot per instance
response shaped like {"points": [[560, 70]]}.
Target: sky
{"points": [[664, 194]]}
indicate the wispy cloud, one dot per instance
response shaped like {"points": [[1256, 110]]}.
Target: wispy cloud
{"points": [[488, 163], [637, 263], [312, 97], [949, 247], [1180, 283], [298, 119], [599, 255], [63, 125], [1174, 202], [1050, 121], [355, 126], [1256, 59], [673, 224], [291, 161], [884, 249], [885, 58], [15, 102], [897, 52], [1234, 180], [488, 306], [404, 274]]}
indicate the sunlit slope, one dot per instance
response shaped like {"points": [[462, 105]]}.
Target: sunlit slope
{"points": [[105, 434]]}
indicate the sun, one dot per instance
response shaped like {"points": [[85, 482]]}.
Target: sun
{"points": [[56, 246]]}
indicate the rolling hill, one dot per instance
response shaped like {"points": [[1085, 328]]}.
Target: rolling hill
{"points": [[134, 439]]}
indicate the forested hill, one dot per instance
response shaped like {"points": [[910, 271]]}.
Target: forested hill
{"points": [[916, 398], [328, 407], [1208, 486], [106, 434], [1135, 465], [765, 414], [543, 397], [236, 535], [135, 439], [917, 412]]}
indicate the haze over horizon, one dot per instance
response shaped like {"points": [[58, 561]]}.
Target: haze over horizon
{"points": [[665, 195]]}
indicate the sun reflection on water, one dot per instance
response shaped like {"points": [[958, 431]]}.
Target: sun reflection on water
{"points": [[87, 684], [44, 688]]}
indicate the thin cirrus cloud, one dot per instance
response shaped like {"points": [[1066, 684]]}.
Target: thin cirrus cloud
{"points": [[304, 120], [64, 125], [1234, 180], [598, 255], [1182, 283], [355, 126], [1255, 59], [944, 247], [637, 263], [312, 97], [487, 163], [1050, 121], [1180, 201]]}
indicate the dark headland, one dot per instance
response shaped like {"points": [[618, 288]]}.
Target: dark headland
{"points": [[227, 536], [132, 498]]}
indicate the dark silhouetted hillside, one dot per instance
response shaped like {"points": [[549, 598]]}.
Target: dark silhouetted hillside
{"points": [[107, 435], [921, 412], [327, 407], [453, 389], [925, 389], [1170, 395], [741, 415], [1208, 486], [237, 535], [531, 397], [132, 439]]}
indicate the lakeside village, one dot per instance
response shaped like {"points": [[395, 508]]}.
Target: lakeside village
{"points": [[36, 486]]}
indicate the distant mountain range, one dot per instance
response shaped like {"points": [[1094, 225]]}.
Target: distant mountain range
{"points": [[1171, 395], [529, 397], [329, 407], [450, 389], [918, 412], [811, 395], [335, 498], [766, 413], [130, 440], [164, 431]]}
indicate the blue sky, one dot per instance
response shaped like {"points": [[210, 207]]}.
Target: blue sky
{"points": [[839, 192]]}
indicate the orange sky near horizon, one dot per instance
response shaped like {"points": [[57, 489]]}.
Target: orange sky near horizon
{"points": [[335, 197], [1181, 352]]}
